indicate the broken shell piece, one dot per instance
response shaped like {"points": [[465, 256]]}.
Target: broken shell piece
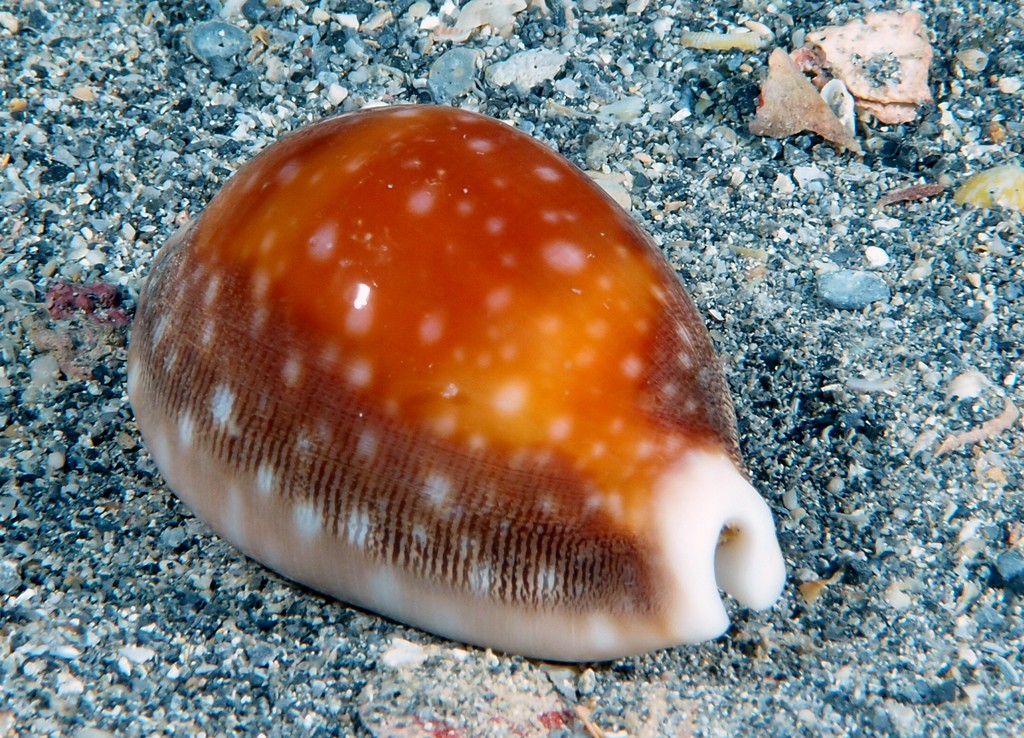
{"points": [[742, 40], [499, 15], [883, 60], [790, 104], [974, 60], [840, 101], [1002, 186]]}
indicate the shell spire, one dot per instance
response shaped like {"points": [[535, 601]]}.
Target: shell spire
{"points": [[414, 359]]}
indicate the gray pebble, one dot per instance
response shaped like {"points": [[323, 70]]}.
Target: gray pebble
{"points": [[214, 41], [452, 74], [1010, 566], [172, 537], [10, 577], [851, 289]]}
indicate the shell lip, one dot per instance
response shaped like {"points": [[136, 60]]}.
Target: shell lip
{"points": [[714, 532]]}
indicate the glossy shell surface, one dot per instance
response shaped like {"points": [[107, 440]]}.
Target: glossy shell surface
{"points": [[414, 359]]}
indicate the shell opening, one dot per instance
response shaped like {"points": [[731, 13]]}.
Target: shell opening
{"points": [[716, 533]]}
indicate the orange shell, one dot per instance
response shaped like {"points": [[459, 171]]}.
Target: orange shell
{"points": [[414, 359]]}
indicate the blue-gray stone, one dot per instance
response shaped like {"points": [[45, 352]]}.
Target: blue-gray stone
{"points": [[452, 74], [1010, 564], [212, 41], [851, 289]]}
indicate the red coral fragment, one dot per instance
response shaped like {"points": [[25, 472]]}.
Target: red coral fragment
{"points": [[100, 302], [556, 719]]}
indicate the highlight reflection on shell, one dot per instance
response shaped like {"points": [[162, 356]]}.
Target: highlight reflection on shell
{"points": [[414, 359]]}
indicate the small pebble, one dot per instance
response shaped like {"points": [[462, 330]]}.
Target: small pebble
{"points": [[10, 577], [403, 653], [876, 257], [784, 185], [1010, 566], [452, 74], [810, 178], [851, 289], [215, 41], [44, 370], [587, 682], [137, 654]]}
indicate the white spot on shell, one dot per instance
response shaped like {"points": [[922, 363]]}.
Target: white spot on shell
{"points": [[597, 328], [421, 202], [498, 299], [560, 428], [419, 536], [171, 359], [480, 145], [323, 241], [564, 257], [265, 479], [212, 289], [288, 172], [494, 225], [186, 429], [431, 328], [644, 450], [159, 328], [161, 449], [510, 398], [357, 529], [550, 324], [206, 337], [480, 578], [437, 488], [260, 284], [291, 371], [259, 317], [547, 174], [464, 207], [360, 373], [307, 519], [366, 446], [221, 404], [547, 581], [614, 506], [133, 377], [548, 505], [632, 366], [268, 241], [445, 424]]}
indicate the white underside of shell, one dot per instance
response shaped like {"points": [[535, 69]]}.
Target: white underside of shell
{"points": [[696, 500], [716, 532]]}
